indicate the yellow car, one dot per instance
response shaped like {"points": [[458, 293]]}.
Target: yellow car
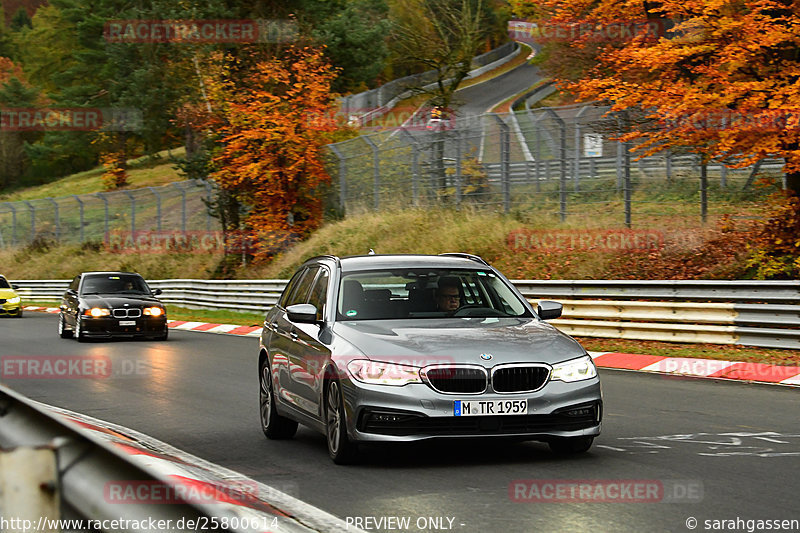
{"points": [[10, 302]]}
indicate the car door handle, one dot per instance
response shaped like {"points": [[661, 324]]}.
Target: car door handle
{"points": [[293, 335]]}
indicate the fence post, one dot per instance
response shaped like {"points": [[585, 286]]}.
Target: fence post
{"points": [[33, 219], [458, 170], [414, 166], [576, 178], [133, 213], [80, 210], [376, 173], [627, 175], [158, 208], [669, 165], [102, 196], [56, 218], [342, 178], [562, 183], [505, 163], [13, 223], [703, 191], [183, 207]]}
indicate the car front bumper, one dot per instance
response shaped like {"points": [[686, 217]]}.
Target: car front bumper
{"points": [[106, 327], [9, 309], [417, 412]]}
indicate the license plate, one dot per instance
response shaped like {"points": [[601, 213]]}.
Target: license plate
{"points": [[127, 322], [490, 407]]}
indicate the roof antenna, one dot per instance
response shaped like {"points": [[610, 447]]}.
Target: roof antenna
{"points": [[371, 252]]}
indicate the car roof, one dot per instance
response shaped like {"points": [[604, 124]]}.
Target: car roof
{"points": [[373, 262], [109, 273]]}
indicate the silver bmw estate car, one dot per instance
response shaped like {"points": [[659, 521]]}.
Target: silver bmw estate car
{"points": [[389, 348]]}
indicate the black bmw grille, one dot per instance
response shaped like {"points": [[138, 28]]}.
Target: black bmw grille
{"points": [[519, 378], [127, 313], [457, 380]]}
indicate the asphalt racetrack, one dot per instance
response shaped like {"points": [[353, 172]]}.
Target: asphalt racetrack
{"points": [[674, 452]]}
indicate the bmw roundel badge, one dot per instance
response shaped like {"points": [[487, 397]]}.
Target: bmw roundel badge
{"points": [[486, 356]]}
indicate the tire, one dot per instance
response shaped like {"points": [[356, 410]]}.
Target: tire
{"points": [[19, 315], [342, 450], [273, 425], [164, 336], [63, 332], [78, 330], [572, 445]]}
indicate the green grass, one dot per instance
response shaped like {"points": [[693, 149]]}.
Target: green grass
{"points": [[143, 172], [720, 352]]}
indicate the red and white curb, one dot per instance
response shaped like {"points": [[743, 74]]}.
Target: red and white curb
{"points": [[679, 366], [206, 327], [700, 368]]}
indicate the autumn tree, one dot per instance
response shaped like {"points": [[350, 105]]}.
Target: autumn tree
{"points": [[721, 77], [271, 143]]}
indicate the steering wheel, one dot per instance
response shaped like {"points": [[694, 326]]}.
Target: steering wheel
{"points": [[468, 306]]}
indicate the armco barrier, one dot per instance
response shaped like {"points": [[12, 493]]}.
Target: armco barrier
{"points": [[56, 469], [753, 313]]}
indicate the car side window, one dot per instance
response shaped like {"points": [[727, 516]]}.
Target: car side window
{"points": [[300, 292], [287, 292], [319, 293], [75, 283]]}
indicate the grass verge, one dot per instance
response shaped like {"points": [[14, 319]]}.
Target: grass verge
{"points": [[721, 352]]}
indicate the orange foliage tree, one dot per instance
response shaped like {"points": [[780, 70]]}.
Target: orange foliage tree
{"points": [[271, 140], [719, 76]]}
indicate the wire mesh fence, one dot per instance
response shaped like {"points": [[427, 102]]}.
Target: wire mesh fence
{"points": [[177, 207], [561, 161]]}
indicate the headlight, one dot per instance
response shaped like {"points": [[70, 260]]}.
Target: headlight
{"points": [[153, 311], [379, 373], [14, 300], [574, 370], [97, 312]]}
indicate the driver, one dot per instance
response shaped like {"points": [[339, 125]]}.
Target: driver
{"points": [[448, 296]]}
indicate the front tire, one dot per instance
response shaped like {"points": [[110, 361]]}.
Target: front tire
{"points": [[572, 445], [78, 330], [342, 450], [63, 332], [273, 425]]}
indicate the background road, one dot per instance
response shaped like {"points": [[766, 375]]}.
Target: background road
{"points": [[734, 446]]}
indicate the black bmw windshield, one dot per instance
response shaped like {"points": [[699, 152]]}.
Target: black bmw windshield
{"points": [[426, 293], [115, 284]]}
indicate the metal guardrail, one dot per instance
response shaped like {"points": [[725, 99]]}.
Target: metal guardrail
{"points": [[753, 313], [64, 473]]}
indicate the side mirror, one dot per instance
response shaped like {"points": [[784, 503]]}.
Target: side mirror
{"points": [[15, 287], [72, 292], [548, 310], [302, 313], [156, 292]]}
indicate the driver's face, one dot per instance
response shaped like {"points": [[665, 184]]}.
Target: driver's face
{"points": [[448, 299]]}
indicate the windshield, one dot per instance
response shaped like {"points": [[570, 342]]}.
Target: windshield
{"points": [[3, 283], [115, 284], [426, 293]]}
